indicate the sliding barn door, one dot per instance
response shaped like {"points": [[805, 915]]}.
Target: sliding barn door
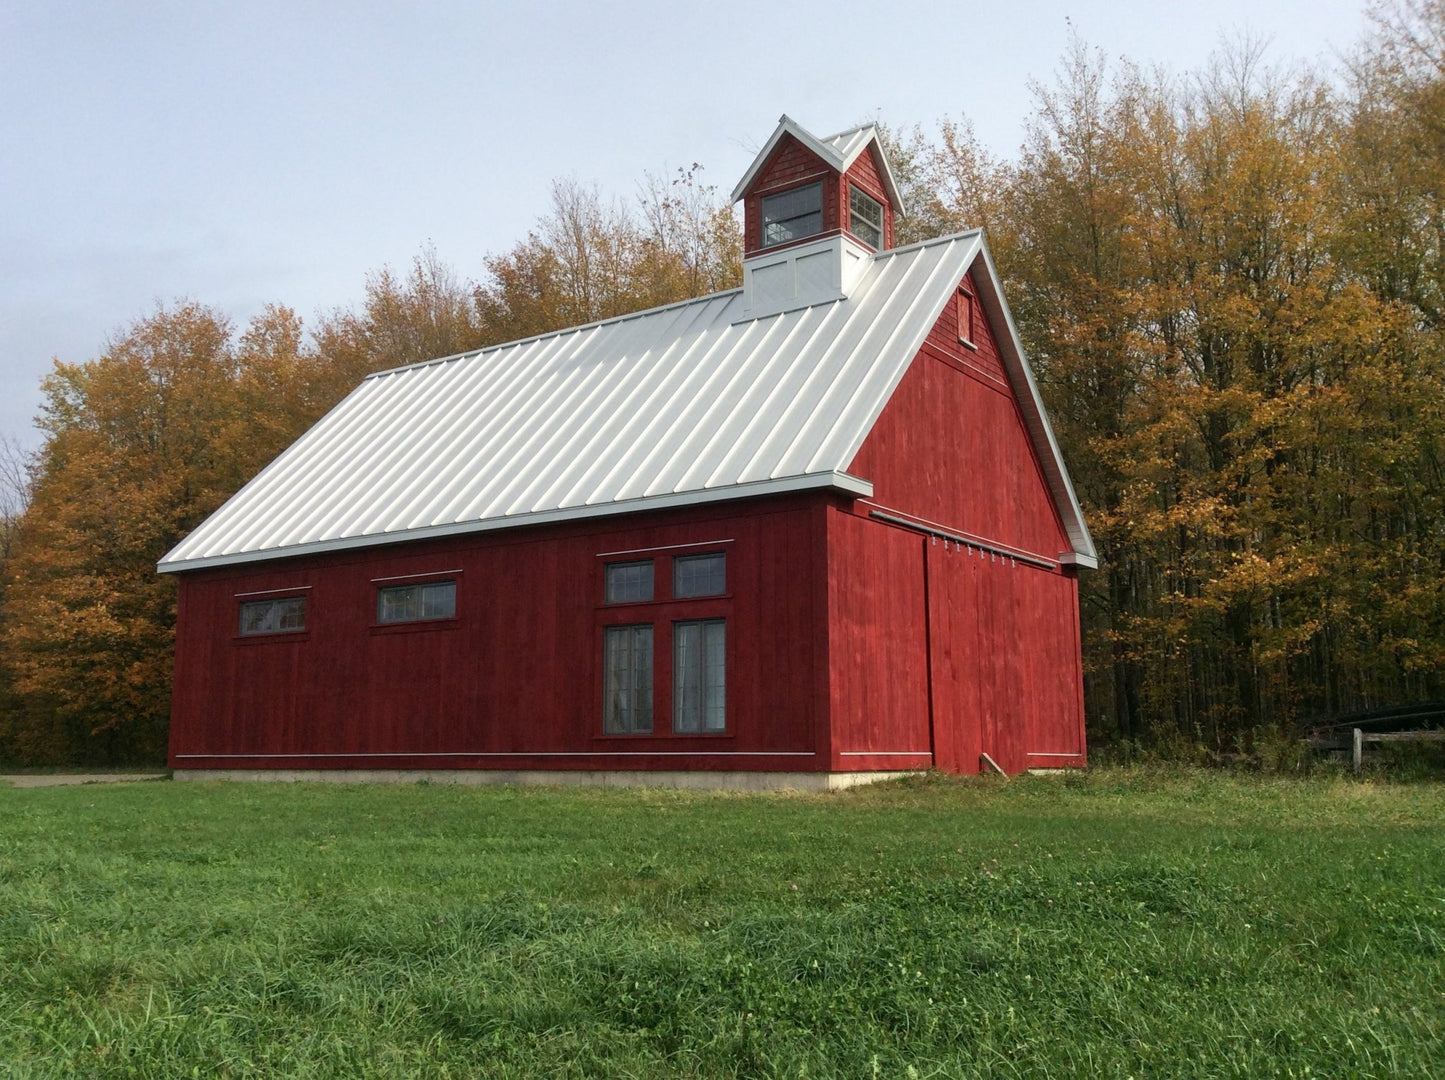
{"points": [[1003, 662]]}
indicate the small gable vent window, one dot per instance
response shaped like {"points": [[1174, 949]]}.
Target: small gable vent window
{"points": [[416, 603], [966, 316], [865, 218], [792, 215], [285, 615]]}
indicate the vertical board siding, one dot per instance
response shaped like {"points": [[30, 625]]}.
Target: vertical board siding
{"points": [[1006, 672], [950, 446], [984, 359], [877, 643], [516, 672], [1003, 659]]}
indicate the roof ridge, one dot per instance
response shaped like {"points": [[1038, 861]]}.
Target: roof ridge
{"points": [[544, 335], [854, 130]]}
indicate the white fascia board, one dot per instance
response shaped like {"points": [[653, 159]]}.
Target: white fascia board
{"points": [[1036, 418], [786, 126], [890, 184], [842, 482], [1073, 558]]}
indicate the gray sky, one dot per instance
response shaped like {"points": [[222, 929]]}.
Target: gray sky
{"points": [[245, 153]]}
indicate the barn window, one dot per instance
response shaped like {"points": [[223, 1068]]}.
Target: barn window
{"points": [[699, 676], [281, 615], [792, 214], [416, 603], [627, 680], [629, 583], [865, 218], [699, 575], [966, 316]]}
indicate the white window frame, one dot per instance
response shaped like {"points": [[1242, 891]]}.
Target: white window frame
{"points": [[855, 217]]}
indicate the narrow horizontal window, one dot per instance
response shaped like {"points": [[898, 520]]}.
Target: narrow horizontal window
{"points": [[627, 680], [284, 615], [629, 582], [865, 218], [792, 214], [699, 677], [416, 603], [699, 575]]}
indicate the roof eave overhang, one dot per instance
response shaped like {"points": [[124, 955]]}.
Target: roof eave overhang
{"points": [[840, 482], [1031, 403]]}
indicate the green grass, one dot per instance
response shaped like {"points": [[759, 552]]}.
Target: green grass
{"points": [[1121, 924]]}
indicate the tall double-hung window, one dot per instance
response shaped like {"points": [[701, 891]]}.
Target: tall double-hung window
{"points": [[865, 218], [665, 609], [627, 680]]}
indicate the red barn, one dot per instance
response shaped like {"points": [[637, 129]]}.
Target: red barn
{"points": [[803, 533]]}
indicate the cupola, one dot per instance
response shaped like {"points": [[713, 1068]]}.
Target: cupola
{"points": [[814, 211]]}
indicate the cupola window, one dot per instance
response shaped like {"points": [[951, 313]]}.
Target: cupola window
{"points": [[865, 218], [792, 214]]}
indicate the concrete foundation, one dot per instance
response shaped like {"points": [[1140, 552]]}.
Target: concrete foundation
{"points": [[705, 781]]}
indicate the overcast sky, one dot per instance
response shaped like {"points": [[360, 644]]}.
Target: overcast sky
{"points": [[245, 153]]}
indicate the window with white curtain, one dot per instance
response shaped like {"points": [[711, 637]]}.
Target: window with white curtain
{"points": [[699, 676], [627, 680]]}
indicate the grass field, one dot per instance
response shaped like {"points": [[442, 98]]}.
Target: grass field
{"points": [[1116, 924]]}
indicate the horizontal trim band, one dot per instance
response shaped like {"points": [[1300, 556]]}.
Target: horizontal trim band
{"points": [[417, 577], [274, 592], [662, 547], [885, 753], [516, 754], [928, 528]]}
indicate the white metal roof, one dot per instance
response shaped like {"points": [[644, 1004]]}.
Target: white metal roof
{"points": [[678, 405], [839, 151]]}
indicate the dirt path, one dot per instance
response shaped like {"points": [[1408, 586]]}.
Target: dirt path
{"points": [[63, 779]]}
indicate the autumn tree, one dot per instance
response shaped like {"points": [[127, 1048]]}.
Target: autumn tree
{"points": [[141, 444], [1226, 283], [427, 313], [592, 257]]}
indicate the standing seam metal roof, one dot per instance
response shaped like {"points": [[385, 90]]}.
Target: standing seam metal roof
{"points": [[677, 405]]}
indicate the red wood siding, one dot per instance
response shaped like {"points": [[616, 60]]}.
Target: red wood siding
{"points": [[514, 680], [1005, 674], [1002, 657], [791, 165], [864, 172], [982, 360], [950, 446], [878, 646]]}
